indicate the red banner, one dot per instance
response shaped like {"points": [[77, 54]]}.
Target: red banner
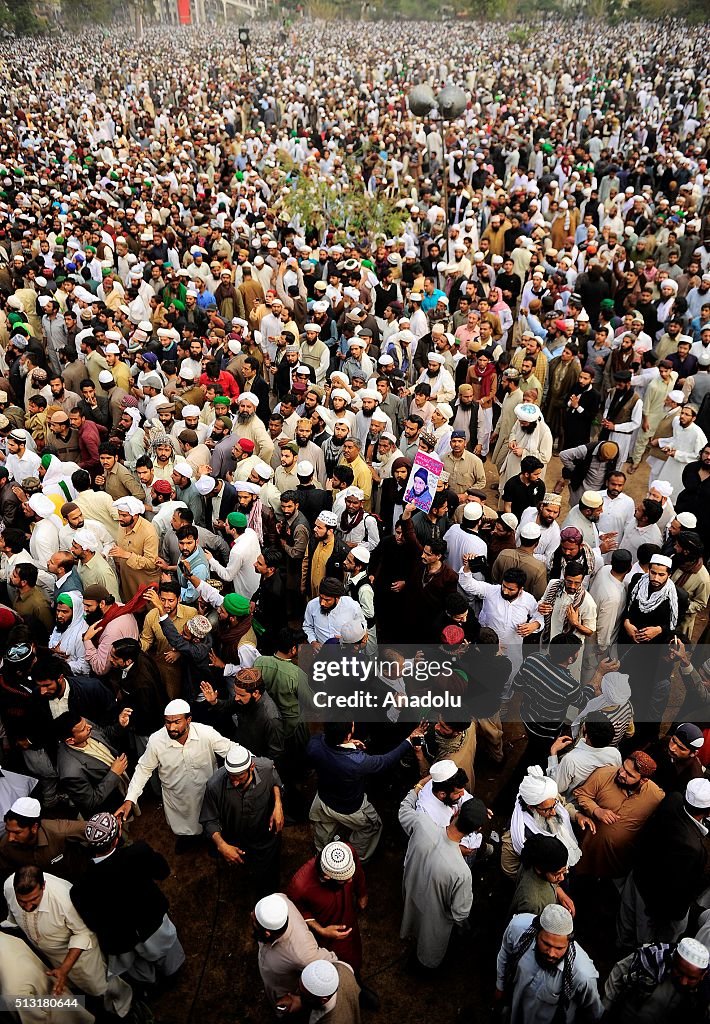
{"points": [[184, 15]]}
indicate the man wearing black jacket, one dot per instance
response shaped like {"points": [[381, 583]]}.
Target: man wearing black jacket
{"points": [[119, 900], [269, 600], [325, 554], [669, 869]]}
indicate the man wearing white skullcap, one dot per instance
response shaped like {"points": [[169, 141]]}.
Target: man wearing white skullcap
{"points": [[329, 991], [669, 867], [330, 891], [658, 984], [543, 975], [444, 795], [136, 549], [30, 840], [286, 945], [437, 880], [183, 752]]}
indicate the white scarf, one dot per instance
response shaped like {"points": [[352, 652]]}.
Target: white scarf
{"points": [[649, 602], [560, 826]]}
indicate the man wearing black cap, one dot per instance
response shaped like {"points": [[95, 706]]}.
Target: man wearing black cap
{"points": [[623, 412]]}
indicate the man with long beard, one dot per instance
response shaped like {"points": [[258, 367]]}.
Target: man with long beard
{"points": [[438, 378], [529, 436], [308, 451], [332, 448], [543, 975]]}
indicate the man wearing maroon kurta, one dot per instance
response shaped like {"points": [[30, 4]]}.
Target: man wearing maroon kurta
{"points": [[329, 890]]}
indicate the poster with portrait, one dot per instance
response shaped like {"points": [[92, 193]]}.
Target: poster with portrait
{"points": [[422, 482]]}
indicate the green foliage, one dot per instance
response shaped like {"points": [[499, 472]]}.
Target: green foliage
{"points": [[20, 17], [353, 213]]}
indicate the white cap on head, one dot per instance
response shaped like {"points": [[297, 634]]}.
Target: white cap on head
{"points": [[556, 920], [440, 771], [129, 504], [177, 707], [249, 396], [361, 554], [510, 520], [697, 793], [26, 807], [105, 377], [271, 912], [204, 485], [472, 512], [694, 953], [320, 978], [526, 412], [687, 520], [662, 560], [530, 531], [238, 759], [190, 410], [305, 468], [677, 397], [664, 487], [184, 469]]}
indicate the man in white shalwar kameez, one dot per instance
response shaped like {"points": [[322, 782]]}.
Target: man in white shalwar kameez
{"points": [[684, 446], [436, 883], [529, 436], [47, 916], [184, 754], [23, 975]]}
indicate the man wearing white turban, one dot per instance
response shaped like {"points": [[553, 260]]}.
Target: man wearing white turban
{"points": [[539, 810], [136, 552], [44, 541]]}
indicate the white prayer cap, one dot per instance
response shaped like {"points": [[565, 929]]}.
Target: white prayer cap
{"points": [[249, 396], [105, 377], [370, 393], [687, 520], [238, 759], [446, 411], [26, 807], [526, 412], [186, 372], [341, 393], [510, 520], [184, 469], [661, 560], [112, 350], [664, 488], [440, 771], [263, 471], [379, 417], [472, 512], [337, 861], [314, 328], [114, 336], [41, 505], [204, 485], [327, 518], [697, 792], [530, 531], [133, 506], [694, 953], [386, 360], [272, 912], [387, 435], [305, 468], [234, 347], [177, 707], [436, 357], [145, 325], [536, 787], [361, 554], [556, 920], [87, 539], [676, 396], [320, 978], [190, 410]]}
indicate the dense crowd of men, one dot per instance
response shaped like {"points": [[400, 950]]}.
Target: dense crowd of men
{"points": [[214, 413]]}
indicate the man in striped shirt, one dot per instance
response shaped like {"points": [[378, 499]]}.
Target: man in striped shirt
{"points": [[547, 689]]}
